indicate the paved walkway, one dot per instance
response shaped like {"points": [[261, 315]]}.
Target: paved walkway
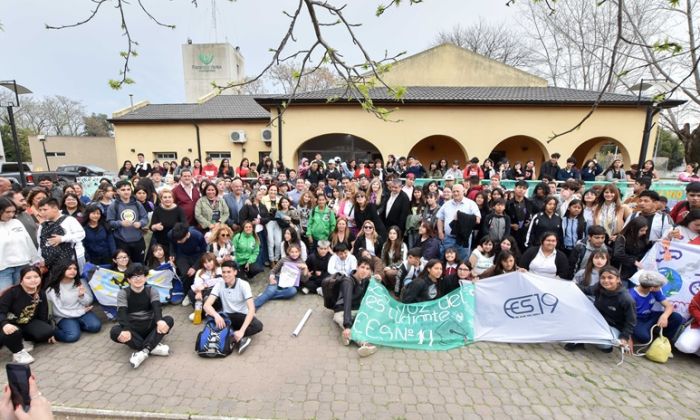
{"points": [[314, 376]]}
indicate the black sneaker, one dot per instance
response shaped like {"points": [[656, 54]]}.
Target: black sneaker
{"points": [[607, 350], [573, 346], [243, 344]]}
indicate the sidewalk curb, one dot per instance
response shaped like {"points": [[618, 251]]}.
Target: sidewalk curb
{"points": [[123, 414]]}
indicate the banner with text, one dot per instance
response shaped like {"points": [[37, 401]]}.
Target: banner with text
{"points": [[682, 269], [440, 324], [526, 308]]}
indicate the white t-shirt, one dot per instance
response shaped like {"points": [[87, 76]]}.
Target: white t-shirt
{"points": [[543, 265], [233, 299]]}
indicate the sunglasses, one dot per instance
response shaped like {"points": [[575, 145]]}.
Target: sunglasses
{"points": [[225, 234], [367, 227]]}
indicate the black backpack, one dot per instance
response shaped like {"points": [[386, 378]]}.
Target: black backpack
{"points": [[331, 289], [60, 253], [214, 342]]}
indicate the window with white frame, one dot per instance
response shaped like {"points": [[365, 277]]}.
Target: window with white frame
{"points": [[219, 155], [165, 155]]}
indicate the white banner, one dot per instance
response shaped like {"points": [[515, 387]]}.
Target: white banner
{"points": [[682, 269], [526, 308]]}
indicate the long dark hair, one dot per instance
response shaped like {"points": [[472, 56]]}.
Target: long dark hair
{"points": [[430, 264], [633, 242], [395, 247], [502, 257], [57, 274], [293, 241], [589, 266]]}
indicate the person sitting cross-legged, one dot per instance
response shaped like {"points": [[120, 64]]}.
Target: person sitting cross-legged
{"points": [[273, 289], [237, 302], [141, 324], [646, 295], [352, 290]]}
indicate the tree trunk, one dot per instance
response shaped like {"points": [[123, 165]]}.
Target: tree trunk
{"points": [[691, 142]]}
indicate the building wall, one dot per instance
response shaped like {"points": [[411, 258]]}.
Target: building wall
{"points": [[181, 138], [207, 63], [449, 65], [478, 129], [81, 150]]}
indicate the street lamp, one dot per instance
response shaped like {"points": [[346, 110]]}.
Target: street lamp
{"points": [[18, 90], [42, 139]]}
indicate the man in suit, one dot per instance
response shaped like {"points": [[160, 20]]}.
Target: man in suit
{"points": [[397, 206], [235, 201], [186, 195]]}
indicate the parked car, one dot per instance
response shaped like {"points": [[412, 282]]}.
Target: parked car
{"points": [[85, 170], [11, 170]]}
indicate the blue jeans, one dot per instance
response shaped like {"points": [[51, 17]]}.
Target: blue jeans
{"points": [[68, 329], [641, 330], [9, 277], [451, 242], [273, 292]]}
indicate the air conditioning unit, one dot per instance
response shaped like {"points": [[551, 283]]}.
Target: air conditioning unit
{"points": [[266, 135], [238, 136]]}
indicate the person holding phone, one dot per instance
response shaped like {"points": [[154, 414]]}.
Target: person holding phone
{"points": [[29, 306], [39, 406]]}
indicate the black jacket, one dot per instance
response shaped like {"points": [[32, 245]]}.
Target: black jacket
{"points": [[560, 261], [625, 256], [17, 302], [356, 290], [549, 170], [540, 224], [462, 227], [370, 213], [618, 308], [398, 213], [316, 262], [430, 248], [250, 211], [418, 290]]}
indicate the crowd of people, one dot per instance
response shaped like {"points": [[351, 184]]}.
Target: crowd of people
{"points": [[220, 226]]}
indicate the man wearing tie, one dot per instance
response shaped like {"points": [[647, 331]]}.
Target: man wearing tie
{"points": [[397, 206]]}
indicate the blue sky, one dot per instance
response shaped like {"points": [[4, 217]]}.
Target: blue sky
{"points": [[78, 62]]}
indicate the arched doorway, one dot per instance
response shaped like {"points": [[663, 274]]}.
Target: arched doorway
{"points": [[346, 146], [519, 148], [604, 149], [437, 147]]}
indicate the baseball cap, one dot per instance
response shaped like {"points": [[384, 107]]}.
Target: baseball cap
{"points": [[331, 160], [337, 158], [449, 177]]}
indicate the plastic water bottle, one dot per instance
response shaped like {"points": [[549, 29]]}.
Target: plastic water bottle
{"points": [[197, 312]]}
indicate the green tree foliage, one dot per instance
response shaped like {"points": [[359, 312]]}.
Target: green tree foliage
{"points": [[672, 148], [9, 146], [96, 125]]}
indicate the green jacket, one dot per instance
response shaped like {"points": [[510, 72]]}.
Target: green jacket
{"points": [[203, 212], [246, 247], [321, 224]]}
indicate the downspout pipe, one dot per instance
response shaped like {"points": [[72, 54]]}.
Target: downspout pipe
{"points": [[199, 144], [279, 132]]}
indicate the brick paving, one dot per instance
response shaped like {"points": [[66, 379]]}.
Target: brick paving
{"points": [[314, 376]]}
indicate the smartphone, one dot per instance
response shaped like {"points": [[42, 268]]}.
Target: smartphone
{"points": [[18, 379]]}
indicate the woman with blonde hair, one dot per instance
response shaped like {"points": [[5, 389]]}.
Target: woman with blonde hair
{"points": [[609, 211], [219, 243]]}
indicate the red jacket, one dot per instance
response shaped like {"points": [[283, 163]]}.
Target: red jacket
{"points": [[185, 202], [694, 310], [679, 211], [472, 170], [210, 171]]}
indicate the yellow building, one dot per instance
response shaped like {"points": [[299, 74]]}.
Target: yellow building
{"points": [[458, 105]]}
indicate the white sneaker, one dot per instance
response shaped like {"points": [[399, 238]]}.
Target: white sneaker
{"points": [[319, 291], [161, 350], [366, 349], [28, 345], [186, 301], [22, 357], [191, 317], [305, 290], [137, 358]]}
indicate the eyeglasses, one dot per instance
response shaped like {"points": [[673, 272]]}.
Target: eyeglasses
{"points": [[123, 257], [368, 227]]}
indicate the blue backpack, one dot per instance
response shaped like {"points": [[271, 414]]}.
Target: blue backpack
{"points": [[213, 342]]}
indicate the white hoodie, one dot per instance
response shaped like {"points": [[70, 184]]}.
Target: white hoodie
{"points": [[16, 246]]}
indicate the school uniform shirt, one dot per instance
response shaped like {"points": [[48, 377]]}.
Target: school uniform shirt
{"points": [[346, 266], [645, 304], [233, 298]]}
